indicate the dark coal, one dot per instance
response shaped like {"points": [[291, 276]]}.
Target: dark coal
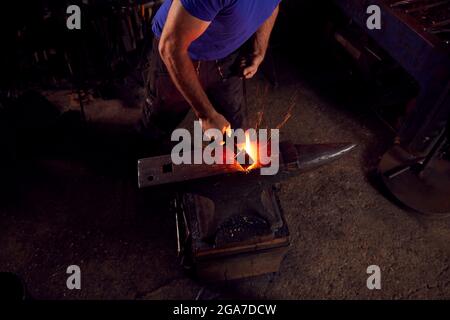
{"points": [[241, 228]]}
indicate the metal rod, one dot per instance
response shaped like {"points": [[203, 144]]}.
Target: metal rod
{"points": [[437, 31], [403, 3], [427, 7], [441, 23]]}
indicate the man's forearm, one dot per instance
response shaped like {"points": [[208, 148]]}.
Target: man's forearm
{"points": [[262, 36], [184, 76], [260, 44]]}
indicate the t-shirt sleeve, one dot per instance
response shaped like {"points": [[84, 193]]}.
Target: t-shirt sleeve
{"points": [[205, 10]]}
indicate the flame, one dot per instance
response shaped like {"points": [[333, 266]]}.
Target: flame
{"points": [[251, 149]]}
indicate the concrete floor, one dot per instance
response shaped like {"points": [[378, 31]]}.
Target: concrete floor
{"points": [[92, 215]]}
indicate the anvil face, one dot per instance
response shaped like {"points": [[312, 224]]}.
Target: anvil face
{"points": [[222, 191]]}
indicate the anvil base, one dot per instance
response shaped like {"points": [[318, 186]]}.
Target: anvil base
{"points": [[245, 245]]}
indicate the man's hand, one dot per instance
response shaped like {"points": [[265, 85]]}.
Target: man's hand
{"points": [[250, 68], [215, 121]]}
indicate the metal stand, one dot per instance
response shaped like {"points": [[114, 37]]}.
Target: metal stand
{"points": [[422, 184]]}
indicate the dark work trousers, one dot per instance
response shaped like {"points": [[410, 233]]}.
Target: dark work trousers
{"points": [[165, 107]]}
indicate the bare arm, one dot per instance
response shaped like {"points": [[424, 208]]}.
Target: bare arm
{"points": [[260, 44], [180, 30]]}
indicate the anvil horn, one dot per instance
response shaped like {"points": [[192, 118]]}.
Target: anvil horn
{"points": [[310, 157]]}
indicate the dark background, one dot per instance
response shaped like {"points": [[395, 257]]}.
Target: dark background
{"points": [[68, 179]]}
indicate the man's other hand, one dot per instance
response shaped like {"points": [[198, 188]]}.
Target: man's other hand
{"points": [[250, 67], [215, 121]]}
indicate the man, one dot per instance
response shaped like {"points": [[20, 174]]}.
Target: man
{"points": [[196, 62]]}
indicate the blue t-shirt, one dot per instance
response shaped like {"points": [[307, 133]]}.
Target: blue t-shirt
{"points": [[233, 23]]}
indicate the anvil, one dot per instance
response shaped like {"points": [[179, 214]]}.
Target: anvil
{"points": [[222, 191]]}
